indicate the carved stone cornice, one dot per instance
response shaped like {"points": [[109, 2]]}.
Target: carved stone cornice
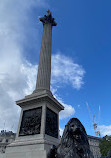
{"points": [[41, 97]]}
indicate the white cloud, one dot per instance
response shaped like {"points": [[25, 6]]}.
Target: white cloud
{"points": [[65, 70], [8, 111], [17, 79], [68, 111], [61, 131], [30, 72], [105, 130]]}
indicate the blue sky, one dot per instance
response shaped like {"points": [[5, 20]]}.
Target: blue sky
{"points": [[81, 53]]}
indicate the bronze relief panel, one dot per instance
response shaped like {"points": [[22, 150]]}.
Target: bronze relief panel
{"points": [[31, 122], [51, 123]]}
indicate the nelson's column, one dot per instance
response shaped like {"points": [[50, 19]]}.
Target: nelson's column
{"points": [[38, 127]]}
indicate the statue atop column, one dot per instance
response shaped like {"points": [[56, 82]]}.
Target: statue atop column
{"points": [[48, 19]]}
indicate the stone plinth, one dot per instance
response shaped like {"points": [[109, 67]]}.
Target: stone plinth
{"points": [[32, 139]]}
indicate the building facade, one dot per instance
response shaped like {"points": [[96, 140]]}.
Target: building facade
{"points": [[5, 139], [94, 146]]}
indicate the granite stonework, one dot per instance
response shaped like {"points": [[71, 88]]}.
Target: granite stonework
{"points": [[38, 127], [31, 144]]}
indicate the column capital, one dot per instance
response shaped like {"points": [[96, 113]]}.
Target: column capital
{"points": [[48, 19]]}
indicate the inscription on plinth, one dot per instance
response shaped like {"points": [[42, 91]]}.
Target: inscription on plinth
{"points": [[31, 122], [51, 123]]}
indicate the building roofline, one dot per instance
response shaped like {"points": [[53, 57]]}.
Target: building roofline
{"points": [[94, 137]]}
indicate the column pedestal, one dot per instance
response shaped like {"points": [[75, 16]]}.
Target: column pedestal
{"points": [[38, 127]]}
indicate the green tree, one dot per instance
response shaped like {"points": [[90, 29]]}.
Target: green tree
{"points": [[105, 145]]}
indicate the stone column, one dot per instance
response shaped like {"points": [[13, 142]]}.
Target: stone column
{"points": [[38, 126], [44, 68]]}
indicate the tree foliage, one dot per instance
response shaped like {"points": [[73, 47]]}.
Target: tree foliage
{"points": [[105, 145]]}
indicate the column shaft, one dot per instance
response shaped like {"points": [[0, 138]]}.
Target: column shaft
{"points": [[44, 68]]}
